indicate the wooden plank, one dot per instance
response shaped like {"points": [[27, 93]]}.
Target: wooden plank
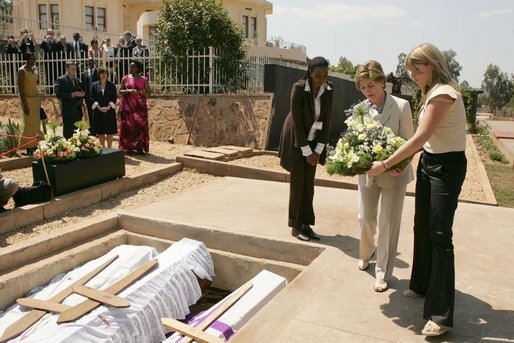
{"points": [[101, 296], [205, 154], [190, 332], [42, 305], [218, 312], [226, 152], [241, 149], [22, 324], [89, 305]]}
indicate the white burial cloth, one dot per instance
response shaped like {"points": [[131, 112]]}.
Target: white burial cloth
{"points": [[165, 291], [265, 286]]}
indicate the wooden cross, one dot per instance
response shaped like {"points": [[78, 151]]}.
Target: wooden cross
{"points": [[22, 324]]}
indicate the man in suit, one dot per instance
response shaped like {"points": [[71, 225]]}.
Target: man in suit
{"points": [[68, 90], [51, 46], [27, 41], [87, 78], [125, 53], [15, 56], [130, 43], [76, 47]]}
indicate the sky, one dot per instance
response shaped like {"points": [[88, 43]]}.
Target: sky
{"points": [[480, 32]]}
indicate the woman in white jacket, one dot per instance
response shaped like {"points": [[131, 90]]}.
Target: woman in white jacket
{"points": [[396, 114]]}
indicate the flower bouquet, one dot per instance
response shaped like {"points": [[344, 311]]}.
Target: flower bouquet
{"points": [[84, 144], [365, 140], [55, 148]]}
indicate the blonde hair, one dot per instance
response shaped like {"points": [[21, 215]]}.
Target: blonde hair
{"points": [[370, 70], [429, 54]]}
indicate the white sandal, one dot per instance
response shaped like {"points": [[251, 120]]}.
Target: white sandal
{"points": [[380, 285], [432, 329], [363, 265]]}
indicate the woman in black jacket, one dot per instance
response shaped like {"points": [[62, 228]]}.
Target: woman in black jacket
{"points": [[303, 144], [103, 98]]}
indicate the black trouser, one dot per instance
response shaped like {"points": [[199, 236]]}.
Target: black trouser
{"points": [[301, 194], [438, 185]]}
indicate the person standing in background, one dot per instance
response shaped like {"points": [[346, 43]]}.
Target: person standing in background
{"points": [[69, 91], [15, 57], [27, 43], [133, 135], [87, 78], [28, 77], [103, 100]]}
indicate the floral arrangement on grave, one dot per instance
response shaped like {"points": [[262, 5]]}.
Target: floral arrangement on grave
{"points": [[84, 144], [55, 148], [365, 140]]}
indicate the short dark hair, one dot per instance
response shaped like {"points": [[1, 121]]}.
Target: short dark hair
{"points": [[29, 55], [138, 64], [70, 63], [102, 71]]}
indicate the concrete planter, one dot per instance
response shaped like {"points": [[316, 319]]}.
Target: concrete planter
{"points": [[71, 176]]}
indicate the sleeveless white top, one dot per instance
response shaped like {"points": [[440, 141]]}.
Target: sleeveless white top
{"points": [[450, 133]]}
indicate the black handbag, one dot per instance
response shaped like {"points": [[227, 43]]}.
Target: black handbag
{"points": [[38, 192]]}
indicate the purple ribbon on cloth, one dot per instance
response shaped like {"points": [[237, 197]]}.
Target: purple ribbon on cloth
{"points": [[221, 327]]}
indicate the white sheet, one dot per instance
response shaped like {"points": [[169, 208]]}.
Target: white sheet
{"points": [[265, 286], [166, 291]]}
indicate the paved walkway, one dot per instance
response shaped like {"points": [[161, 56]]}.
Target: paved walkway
{"points": [[504, 133], [331, 301]]}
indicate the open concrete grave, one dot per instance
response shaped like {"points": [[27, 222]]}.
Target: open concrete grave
{"points": [[237, 258]]}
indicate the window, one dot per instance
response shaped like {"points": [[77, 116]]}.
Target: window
{"points": [[43, 17], [245, 26], [90, 24], [54, 15], [253, 27], [152, 34], [100, 19]]}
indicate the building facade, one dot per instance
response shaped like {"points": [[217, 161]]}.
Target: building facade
{"points": [[109, 18]]}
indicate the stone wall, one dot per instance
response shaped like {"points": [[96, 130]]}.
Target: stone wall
{"points": [[204, 120]]}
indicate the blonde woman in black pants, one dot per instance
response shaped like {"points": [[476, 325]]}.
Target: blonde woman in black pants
{"points": [[441, 171], [303, 144]]}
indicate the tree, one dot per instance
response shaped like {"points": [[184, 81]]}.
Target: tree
{"points": [[464, 84], [454, 67], [345, 66], [188, 26], [5, 6], [278, 41], [498, 87], [401, 71]]}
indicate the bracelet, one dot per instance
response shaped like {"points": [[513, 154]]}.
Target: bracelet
{"points": [[385, 165]]}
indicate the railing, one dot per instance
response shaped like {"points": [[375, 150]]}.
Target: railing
{"points": [[282, 44], [199, 72]]}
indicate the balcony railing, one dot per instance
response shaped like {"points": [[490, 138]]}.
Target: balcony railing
{"points": [[279, 43]]}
